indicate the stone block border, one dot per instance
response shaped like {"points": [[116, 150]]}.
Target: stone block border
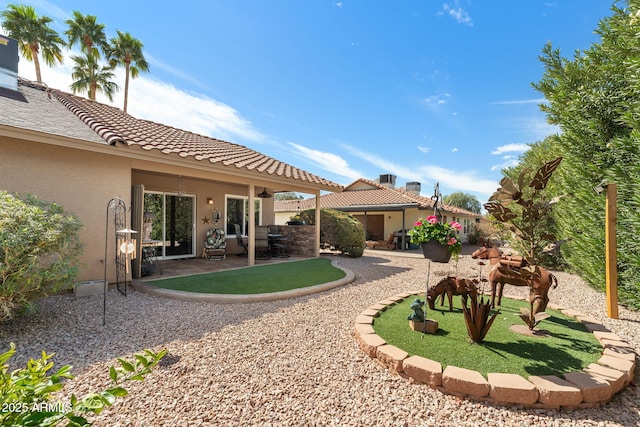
{"points": [[590, 388]]}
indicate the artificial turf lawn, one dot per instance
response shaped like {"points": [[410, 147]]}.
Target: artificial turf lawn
{"points": [[570, 347], [257, 279]]}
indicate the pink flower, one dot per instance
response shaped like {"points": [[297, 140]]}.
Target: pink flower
{"points": [[455, 225], [432, 219], [452, 241], [418, 223]]}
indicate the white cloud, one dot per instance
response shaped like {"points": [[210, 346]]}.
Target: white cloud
{"points": [[424, 149], [327, 161], [454, 150], [509, 163], [511, 148], [434, 102], [455, 180], [466, 181], [456, 12]]}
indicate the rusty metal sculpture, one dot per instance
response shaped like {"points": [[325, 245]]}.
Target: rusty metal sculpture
{"points": [[504, 270], [523, 210], [451, 286]]}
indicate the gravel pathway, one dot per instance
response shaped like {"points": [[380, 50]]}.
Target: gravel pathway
{"points": [[290, 362]]}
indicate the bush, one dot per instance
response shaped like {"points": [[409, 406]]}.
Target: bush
{"points": [[483, 232], [39, 249], [338, 230], [26, 395]]}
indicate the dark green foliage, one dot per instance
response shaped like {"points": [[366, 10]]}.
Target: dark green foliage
{"points": [[595, 99], [39, 249], [338, 230], [28, 394]]}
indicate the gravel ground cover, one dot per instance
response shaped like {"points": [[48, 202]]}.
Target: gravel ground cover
{"points": [[289, 362]]}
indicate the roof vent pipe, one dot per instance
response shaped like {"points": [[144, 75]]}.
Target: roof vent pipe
{"points": [[413, 187], [388, 180]]}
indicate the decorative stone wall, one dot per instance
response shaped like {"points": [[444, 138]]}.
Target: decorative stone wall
{"points": [[589, 388], [301, 239]]}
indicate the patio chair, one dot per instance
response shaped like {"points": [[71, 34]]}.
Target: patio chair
{"points": [[263, 251], [215, 244], [241, 242], [280, 243]]}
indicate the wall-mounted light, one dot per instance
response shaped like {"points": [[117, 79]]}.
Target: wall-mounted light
{"points": [[209, 200], [216, 215]]}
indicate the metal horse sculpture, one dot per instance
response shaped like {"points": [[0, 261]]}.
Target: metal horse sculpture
{"points": [[452, 286], [501, 275]]}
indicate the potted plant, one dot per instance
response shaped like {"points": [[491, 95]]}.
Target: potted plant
{"points": [[438, 240]]}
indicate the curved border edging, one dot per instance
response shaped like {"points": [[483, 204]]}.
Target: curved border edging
{"points": [[590, 388], [233, 298]]}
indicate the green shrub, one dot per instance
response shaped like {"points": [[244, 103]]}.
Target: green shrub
{"points": [[338, 230], [39, 249], [26, 394]]}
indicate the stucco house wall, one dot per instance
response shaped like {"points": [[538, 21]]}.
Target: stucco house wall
{"points": [[82, 182]]}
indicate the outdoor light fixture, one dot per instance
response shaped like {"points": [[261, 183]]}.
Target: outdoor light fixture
{"points": [[209, 200], [125, 248], [264, 194]]}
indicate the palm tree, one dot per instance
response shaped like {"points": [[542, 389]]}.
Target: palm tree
{"points": [[89, 76], [126, 50], [33, 34], [85, 31]]}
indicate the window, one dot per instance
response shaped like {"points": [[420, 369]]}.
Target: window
{"points": [[466, 225], [237, 212]]}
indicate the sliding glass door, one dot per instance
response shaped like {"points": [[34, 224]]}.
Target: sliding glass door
{"points": [[169, 224]]}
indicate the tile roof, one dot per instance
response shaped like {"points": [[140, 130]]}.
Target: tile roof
{"points": [[113, 126], [373, 195]]}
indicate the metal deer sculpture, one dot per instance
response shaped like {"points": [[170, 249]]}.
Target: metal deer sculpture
{"points": [[525, 213]]}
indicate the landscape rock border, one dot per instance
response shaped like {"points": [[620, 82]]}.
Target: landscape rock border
{"points": [[590, 388]]}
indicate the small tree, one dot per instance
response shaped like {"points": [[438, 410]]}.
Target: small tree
{"points": [[463, 201], [338, 230], [39, 250]]}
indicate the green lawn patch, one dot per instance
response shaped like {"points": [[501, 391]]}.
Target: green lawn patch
{"points": [[570, 347], [257, 279]]}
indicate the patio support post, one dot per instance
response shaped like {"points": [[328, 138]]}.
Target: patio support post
{"points": [[404, 227], [251, 240], [317, 230]]}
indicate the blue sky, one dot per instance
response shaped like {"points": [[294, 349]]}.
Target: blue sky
{"points": [[430, 91]]}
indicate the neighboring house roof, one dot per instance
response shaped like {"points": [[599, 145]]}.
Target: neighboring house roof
{"points": [[48, 110], [367, 195]]}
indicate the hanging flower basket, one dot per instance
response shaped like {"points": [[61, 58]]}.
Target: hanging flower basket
{"points": [[436, 251]]}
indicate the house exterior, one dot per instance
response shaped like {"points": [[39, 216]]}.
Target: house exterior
{"points": [[383, 209], [176, 184]]}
